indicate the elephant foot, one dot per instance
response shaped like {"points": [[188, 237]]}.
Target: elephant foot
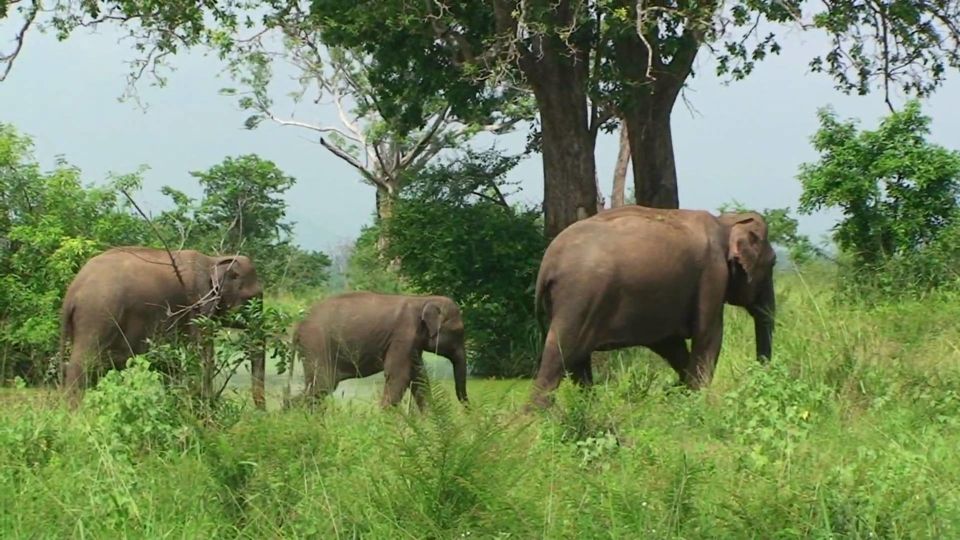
{"points": [[539, 402]]}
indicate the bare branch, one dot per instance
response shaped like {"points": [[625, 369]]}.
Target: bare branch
{"points": [[639, 24], [353, 163], [156, 231], [425, 138], [499, 200], [7, 60], [312, 127]]}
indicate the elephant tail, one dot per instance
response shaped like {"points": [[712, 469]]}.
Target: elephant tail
{"points": [[541, 302], [66, 327]]}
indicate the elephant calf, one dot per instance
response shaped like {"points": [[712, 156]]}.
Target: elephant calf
{"points": [[642, 276], [127, 294], [359, 334]]}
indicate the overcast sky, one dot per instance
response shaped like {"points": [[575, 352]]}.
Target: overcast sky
{"points": [[744, 141]]}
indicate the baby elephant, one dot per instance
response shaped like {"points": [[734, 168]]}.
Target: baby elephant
{"points": [[358, 334]]}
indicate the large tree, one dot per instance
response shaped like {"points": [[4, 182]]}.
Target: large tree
{"points": [[583, 60], [590, 59], [383, 156]]}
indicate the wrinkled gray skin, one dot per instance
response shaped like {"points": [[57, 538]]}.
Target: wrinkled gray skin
{"points": [[359, 334], [127, 294], [637, 276]]}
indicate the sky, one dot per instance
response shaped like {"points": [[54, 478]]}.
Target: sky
{"points": [[744, 140]]}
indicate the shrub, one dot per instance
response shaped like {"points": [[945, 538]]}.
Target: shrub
{"points": [[50, 224], [367, 270], [455, 234], [133, 411], [898, 195]]}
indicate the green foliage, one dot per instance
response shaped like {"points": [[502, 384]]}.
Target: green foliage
{"points": [[366, 268], [411, 62], [851, 433], [771, 413], [50, 224], [897, 192], [156, 28], [455, 234], [782, 230], [302, 270], [243, 202], [243, 211], [133, 411]]}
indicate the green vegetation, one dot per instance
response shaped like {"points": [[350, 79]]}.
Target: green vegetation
{"points": [[850, 432], [899, 198], [51, 224], [455, 233]]}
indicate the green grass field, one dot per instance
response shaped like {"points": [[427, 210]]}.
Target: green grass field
{"points": [[851, 432]]}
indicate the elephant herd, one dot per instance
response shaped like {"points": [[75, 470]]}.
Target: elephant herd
{"points": [[630, 276]]}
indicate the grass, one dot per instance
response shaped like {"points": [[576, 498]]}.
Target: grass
{"points": [[851, 432]]}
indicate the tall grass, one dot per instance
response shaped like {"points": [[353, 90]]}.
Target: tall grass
{"points": [[850, 432]]}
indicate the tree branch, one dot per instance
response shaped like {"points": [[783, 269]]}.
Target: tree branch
{"points": [[156, 231], [312, 127], [425, 138], [352, 161], [7, 60]]}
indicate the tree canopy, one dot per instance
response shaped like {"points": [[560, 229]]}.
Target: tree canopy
{"points": [[897, 191], [588, 64]]}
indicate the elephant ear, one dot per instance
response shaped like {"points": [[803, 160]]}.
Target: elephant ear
{"points": [[430, 317], [223, 269], [224, 272], [746, 244]]}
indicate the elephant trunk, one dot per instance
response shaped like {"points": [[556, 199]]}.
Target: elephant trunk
{"points": [[460, 374], [763, 312]]}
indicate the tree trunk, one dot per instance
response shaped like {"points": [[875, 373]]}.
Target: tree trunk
{"points": [[651, 149], [384, 211], [618, 196], [567, 144], [569, 171]]}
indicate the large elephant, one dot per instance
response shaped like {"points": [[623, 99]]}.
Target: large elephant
{"points": [[127, 294], [636, 276], [358, 334]]}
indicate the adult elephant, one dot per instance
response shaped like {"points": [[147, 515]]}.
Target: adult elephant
{"points": [[653, 277], [127, 294], [358, 334]]}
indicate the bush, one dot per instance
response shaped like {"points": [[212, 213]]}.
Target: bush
{"points": [[133, 411], [455, 234], [367, 270], [50, 224], [899, 197]]}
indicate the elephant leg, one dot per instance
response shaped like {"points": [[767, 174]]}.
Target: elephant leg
{"points": [[708, 326], [398, 370], [88, 357], [676, 353], [557, 357], [319, 377], [706, 343], [74, 377], [419, 385]]}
